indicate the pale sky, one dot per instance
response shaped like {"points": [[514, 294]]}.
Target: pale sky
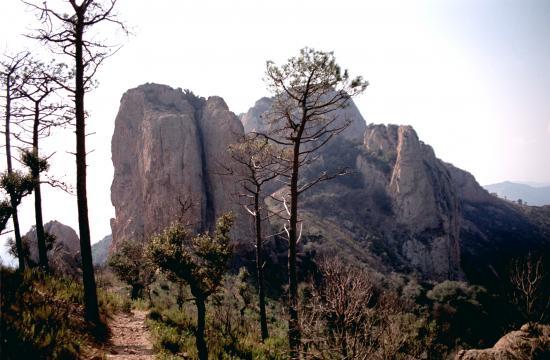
{"points": [[472, 77]]}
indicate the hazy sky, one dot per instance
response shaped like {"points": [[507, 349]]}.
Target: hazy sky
{"points": [[472, 77]]}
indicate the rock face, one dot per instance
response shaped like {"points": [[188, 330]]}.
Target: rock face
{"points": [[252, 120], [167, 150], [64, 257], [424, 199], [516, 345], [410, 203]]}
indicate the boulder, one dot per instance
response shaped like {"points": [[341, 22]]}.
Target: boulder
{"points": [[528, 343]]}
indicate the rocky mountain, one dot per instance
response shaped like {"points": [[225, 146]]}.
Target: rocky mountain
{"points": [[64, 256], [400, 208], [403, 209], [168, 149], [524, 193], [100, 250]]}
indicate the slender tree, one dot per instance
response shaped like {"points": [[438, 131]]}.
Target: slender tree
{"points": [[258, 163], [10, 73], [38, 88], [200, 261], [70, 34], [308, 90]]}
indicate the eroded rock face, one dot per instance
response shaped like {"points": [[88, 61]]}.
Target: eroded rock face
{"points": [[424, 198], [252, 120], [167, 150], [64, 257]]}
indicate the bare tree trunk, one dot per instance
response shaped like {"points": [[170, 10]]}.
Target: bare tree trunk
{"points": [[15, 217], [201, 325], [293, 324], [90, 292], [260, 265], [40, 233]]}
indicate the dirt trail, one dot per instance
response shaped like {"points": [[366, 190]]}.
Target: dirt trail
{"points": [[130, 338]]}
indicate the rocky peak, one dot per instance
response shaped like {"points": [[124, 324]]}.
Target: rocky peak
{"points": [[254, 119], [64, 257], [167, 148], [423, 196]]}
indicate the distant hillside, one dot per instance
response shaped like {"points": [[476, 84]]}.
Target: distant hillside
{"points": [[532, 195], [100, 250]]}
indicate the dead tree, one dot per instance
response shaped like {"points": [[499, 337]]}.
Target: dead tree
{"points": [[308, 92], [337, 318], [69, 33], [10, 72], [258, 163], [530, 283]]}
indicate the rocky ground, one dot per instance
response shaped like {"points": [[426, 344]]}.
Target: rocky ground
{"points": [[130, 338]]}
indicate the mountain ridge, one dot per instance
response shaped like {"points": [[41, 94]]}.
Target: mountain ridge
{"points": [[516, 191], [402, 209]]}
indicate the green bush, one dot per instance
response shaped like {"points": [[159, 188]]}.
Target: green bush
{"points": [[229, 335], [38, 319], [43, 316]]}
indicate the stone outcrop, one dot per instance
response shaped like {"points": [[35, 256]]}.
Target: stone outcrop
{"points": [[525, 344], [423, 197], [168, 149], [64, 256]]}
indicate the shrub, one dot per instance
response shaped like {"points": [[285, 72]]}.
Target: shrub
{"points": [[40, 318]]}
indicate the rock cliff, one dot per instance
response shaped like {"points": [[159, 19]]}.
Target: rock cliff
{"points": [[400, 205], [424, 199], [167, 149]]}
